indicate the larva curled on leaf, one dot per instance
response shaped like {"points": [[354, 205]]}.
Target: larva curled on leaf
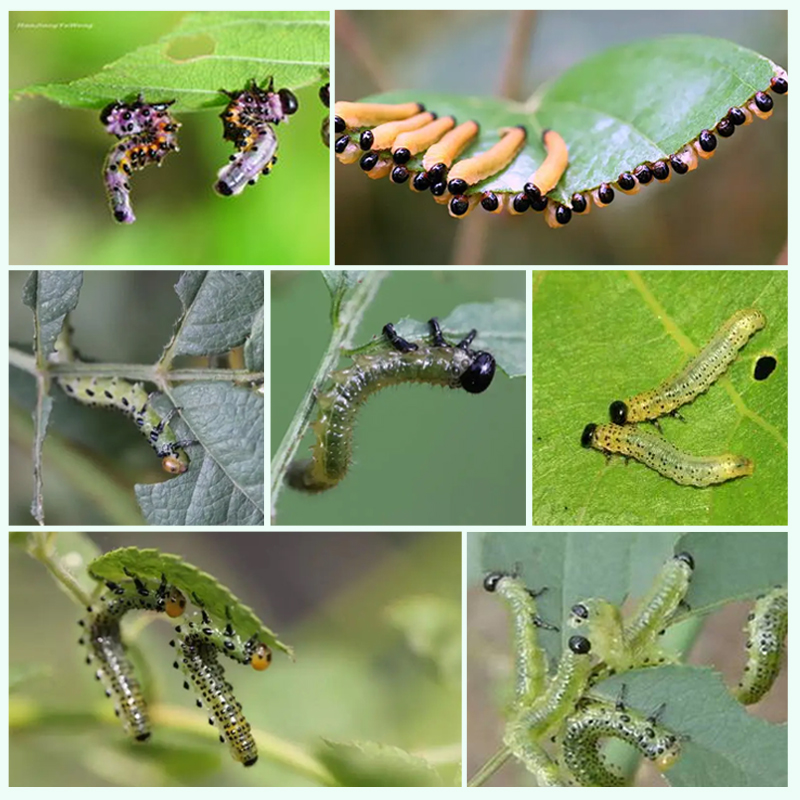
{"points": [[103, 639], [437, 364]]}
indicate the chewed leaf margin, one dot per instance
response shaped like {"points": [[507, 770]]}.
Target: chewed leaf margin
{"points": [[217, 599]]}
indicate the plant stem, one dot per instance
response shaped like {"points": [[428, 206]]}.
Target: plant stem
{"points": [[350, 316], [490, 767]]}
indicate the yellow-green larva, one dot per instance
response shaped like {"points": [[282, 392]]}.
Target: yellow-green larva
{"points": [[766, 629], [662, 456], [580, 740], [129, 398], [438, 364], [696, 376]]}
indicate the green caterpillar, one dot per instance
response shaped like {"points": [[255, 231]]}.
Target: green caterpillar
{"points": [[131, 399], [103, 639], [767, 626]]}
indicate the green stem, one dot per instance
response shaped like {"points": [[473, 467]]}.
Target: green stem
{"points": [[350, 315], [42, 549], [490, 767]]}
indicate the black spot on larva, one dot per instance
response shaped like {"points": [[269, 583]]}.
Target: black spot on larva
{"points": [[368, 161], [339, 125], [737, 116], [366, 140], [341, 144], [399, 174], [708, 142], [765, 366], [521, 202], [779, 85], [579, 202], [421, 181], [489, 201], [679, 166], [605, 193], [402, 155], [643, 174], [763, 101], [725, 128], [459, 205], [661, 170], [457, 186], [532, 192], [563, 215], [626, 181]]}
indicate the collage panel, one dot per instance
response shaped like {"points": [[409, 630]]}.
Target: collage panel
{"points": [[480, 130], [178, 358], [409, 456], [627, 658], [232, 106], [314, 659], [661, 398]]}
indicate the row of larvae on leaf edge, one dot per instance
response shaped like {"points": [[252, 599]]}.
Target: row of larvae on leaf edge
{"points": [[384, 137]]}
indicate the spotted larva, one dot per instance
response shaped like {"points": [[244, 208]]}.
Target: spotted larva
{"points": [[696, 376], [662, 456]]}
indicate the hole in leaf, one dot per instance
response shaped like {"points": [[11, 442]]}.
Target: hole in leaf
{"points": [[765, 366]]}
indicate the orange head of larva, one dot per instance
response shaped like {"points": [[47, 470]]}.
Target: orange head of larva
{"points": [[175, 464], [175, 603], [262, 657]]}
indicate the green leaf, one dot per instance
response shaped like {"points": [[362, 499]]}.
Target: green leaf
{"points": [[634, 103], [254, 347], [603, 336], [219, 307], [225, 482], [206, 51], [726, 746], [341, 284], [51, 294], [373, 764], [217, 599]]}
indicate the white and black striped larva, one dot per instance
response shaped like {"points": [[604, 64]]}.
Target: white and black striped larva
{"points": [[766, 630], [580, 740], [662, 456], [696, 376], [438, 364], [103, 640]]}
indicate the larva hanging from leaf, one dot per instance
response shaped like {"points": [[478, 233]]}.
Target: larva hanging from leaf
{"points": [[438, 364], [580, 740], [129, 398], [767, 626], [696, 376], [103, 639], [662, 456]]}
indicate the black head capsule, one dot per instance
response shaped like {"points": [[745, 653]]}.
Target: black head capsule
{"points": [[679, 166], [618, 412], [737, 116], [438, 172], [763, 101], [491, 580], [289, 102], [579, 202], [339, 125], [725, 128], [580, 611], [479, 374], [341, 144], [605, 193], [521, 203], [421, 181], [579, 645], [661, 170], [489, 201], [325, 95], [643, 174], [366, 140], [563, 214], [779, 85], [457, 186], [686, 558], [532, 192], [438, 189], [402, 155], [399, 174], [626, 181], [708, 142], [459, 205], [368, 161], [538, 205], [588, 435]]}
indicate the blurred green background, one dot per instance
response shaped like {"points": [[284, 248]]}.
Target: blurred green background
{"points": [[423, 456], [59, 213], [331, 596], [122, 317], [732, 210]]}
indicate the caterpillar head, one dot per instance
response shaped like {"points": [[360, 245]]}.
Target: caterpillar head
{"points": [[618, 412], [174, 603], [479, 374], [261, 658], [175, 463]]}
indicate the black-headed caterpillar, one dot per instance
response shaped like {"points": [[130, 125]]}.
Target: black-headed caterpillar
{"points": [[696, 376], [546, 177], [129, 398], [662, 456], [361, 115], [199, 642], [438, 364], [580, 740], [103, 640], [767, 626]]}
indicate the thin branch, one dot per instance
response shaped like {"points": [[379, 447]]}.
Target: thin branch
{"points": [[361, 51]]}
